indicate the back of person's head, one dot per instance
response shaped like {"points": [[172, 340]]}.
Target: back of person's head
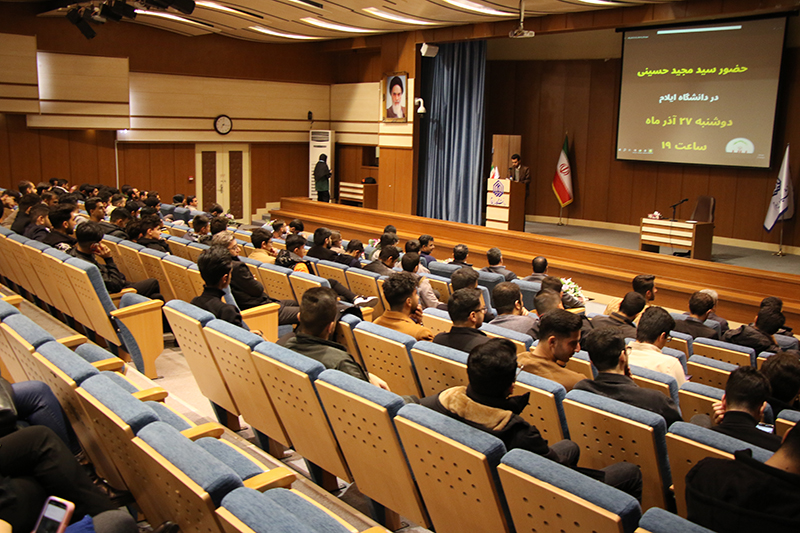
{"points": [[355, 246], [126, 189], [297, 225], [152, 201], [23, 186], [398, 287], [463, 302], [148, 212], [215, 210], [773, 302], [60, 214], [178, 199], [425, 240], [700, 303], [460, 252], [293, 242], [410, 261], [27, 201], [654, 321], [494, 256], [152, 194], [223, 238], [320, 235], [259, 237], [105, 195], [277, 226], [505, 296], [199, 222], [604, 345], [552, 283], [714, 295], [539, 265], [89, 233], [218, 224], [783, 372], [389, 252], [747, 388], [546, 300], [133, 207], [492, 368], [213, 264], [388, 239], [412, 246], [40, 211], [117, 200], [150, 222], [643, 283], [464, 277], [336, 238], [120, 213], [770, 320], [559, 323], [69, 198], [317, 310], [632, 304], [133, 229], [389, 229]]}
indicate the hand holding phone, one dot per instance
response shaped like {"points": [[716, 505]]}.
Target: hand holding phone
{"points": [[55, 516]]}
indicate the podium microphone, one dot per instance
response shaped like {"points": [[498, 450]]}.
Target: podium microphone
{"points": [[675, 206]]}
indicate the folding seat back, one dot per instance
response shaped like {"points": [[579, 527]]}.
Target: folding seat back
{"points": [[332, 270], [698, 399], [436, 320], [376, 454], [529, 290], [301, 282], [443, 269], [247, 250], [63, 295], [193, 272], [455, 466], [365, 283], [708, 371], [7, 266], [243, 235], [252, 265], [167, 209], [175, 269], [724, 351], [546, 405], [113, 244], [677, 354], [275, 280], [15, 247], [289, 377], [345, 335], [439, 367], [387, 354], [762, 358], [6, 353], [658, 381], [546, 496], [178, 244], [187, 322], [194, 249], [657, 520], [580, 362], [232, 349], [785, 420], [21, 337], [129, 252], [688, 444], [522, 341], [279, 244], [440, 284], [181, 213], [33, 255], [311, 262], [152, 262], [681, 341], [490, 280], [609, 431], [178, 231]]}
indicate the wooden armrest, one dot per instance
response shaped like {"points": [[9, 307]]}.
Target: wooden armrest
{"points": [[376, 529], [367, 313], [5, 527], [137, 309], [210, 429], [261, 310], [118, 295], [263, 318], [73, 340], [577, 310], [14, 299], [153, 394], [112, 363], [277, 477]]}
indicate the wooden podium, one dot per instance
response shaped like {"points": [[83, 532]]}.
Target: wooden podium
{"points": [[505, 205], [687, 235]]}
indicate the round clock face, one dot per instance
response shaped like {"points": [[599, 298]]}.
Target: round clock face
{"points": [[223, 124]]}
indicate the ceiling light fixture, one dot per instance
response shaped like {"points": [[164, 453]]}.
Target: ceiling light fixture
{"points": [[479, 8], [398, 18], [226, 9], [176, 18], [602, 2], [308, 3], [333, 26], [274, 33]]}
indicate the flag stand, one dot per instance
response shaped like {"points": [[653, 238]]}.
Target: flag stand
{"points": [[780, 252], [561, 223]]}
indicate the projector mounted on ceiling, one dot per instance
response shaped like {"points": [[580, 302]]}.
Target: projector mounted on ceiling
{"points": [[521, 32]]}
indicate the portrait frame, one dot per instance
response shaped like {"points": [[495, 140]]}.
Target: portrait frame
{"points": [[387, 85]]}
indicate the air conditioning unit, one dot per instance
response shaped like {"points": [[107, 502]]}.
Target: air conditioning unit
{"points": [[319, 142]]}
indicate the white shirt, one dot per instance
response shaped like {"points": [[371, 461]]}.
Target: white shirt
{"points": [[649, 356]]}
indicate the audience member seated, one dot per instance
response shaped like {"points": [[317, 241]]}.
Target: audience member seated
{"points": [[88, 246], [179, 200], [62, 219], [201, 230], [427, 296], [783, 372], [8, 203], [133, 208], [545, 301], [539, 265], [218, 224], [644, 284], [387, 239], [49, 198], [117, 200], [39, 226], [466, 309], [215, 265], [404, 314], [743, 494], [700, 307], [296, 227], [629, 309], [787, 341], [486, 404], [460, 254], [215, 210], [118, 220], [606, 347], [742, 408], [465, 277], [279, 229], [569, 301], [96, 208], [758, 336], [413, 246], [22, 218], [147, 233], [192, 202], [355, 249], [426, 247], [26, 187], [322, 249], [495, 259], [385, 262], [651, 336], [247, 290], [262, 242], [713, 314], [559, 339], [511, 314], [336, 242]]}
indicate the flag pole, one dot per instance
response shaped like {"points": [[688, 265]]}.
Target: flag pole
{"points": [[780, 252], [561, 210]]}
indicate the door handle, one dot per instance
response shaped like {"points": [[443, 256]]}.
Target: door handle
{"points": [[220, 189]]}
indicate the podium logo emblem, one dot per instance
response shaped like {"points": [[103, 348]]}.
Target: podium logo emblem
{"points": [[497, 188]]}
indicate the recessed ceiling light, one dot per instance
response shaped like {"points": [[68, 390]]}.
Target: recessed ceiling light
{"points": [[480, 8], [280, 34], [308, 3], [335, 27], [397, 18], [225, 9], [602, 2], [176, 18]]}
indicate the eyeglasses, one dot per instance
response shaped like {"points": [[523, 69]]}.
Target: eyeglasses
{"points": [[481, 310]]}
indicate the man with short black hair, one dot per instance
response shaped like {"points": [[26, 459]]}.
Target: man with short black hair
{"points": [[192, 202], [700, 307], [200, 231], [400, 290], [511, 314], [96, 208], [559, 339], [26, 187], [387, 239], [495, 259], [539, 266], [296, 227], [39, 227], [651, 337], [632, 304], [644, 284], [22, 219], [322, 249], [426, 248], [460, 254], [606, 347], [149, 235], [261, 240], [519, 172], [215, 268], [218, 224], [427, 296], [467, 310], [118, 221], [385, 262], [783, 372], [759, 336], [292, 255], [62, 218]]}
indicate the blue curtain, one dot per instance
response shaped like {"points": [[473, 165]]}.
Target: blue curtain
{"points": [[451, 150]]}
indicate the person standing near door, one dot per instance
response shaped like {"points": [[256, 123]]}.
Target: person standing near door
{"points": [[322, 176]]}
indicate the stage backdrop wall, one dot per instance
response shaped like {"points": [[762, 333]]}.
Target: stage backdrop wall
{"points": [[541, 100]]}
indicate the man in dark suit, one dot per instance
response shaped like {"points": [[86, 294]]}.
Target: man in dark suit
{"points": [[518, 171], [700, 306]]}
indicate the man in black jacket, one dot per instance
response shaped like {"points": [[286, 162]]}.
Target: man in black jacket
{"points": [[467, 311], [701, 305], [322, 249], [119, 219], [23, 219], [148, 234], [62, 218]]}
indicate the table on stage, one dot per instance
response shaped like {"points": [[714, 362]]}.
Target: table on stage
{"points": [[696, 237]]}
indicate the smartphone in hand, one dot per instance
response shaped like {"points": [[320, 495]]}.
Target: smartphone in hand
{"points": [[55, 516]]}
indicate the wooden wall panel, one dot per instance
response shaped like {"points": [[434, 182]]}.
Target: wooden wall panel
{"points": [[158, 167], [24, 151], [5, 154], [277, 170], [55, 154]]}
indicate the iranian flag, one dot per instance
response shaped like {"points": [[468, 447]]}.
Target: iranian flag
{"points": [[494, 174], [562, 181]]}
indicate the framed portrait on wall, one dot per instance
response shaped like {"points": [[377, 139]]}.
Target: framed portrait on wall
{"points": [[394, 97]]}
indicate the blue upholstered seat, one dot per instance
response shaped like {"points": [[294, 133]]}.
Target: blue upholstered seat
{"points": [[26, 328], [657, 520], [677, 354], [685, 337], [388, 400], [529, 291], [659, 377], [442, 351], [178, 261], [74, 366], [443, 269], [527, 340], [390, 334], [235, 332], [6, 309], [556, 389], [310, 277], [717, 440], [728, 346], [306, 365], [192, 311], [131, 411], [707, 361], [703, 390]]}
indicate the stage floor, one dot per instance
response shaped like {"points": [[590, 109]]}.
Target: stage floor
{"points": [[729, 255]]}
